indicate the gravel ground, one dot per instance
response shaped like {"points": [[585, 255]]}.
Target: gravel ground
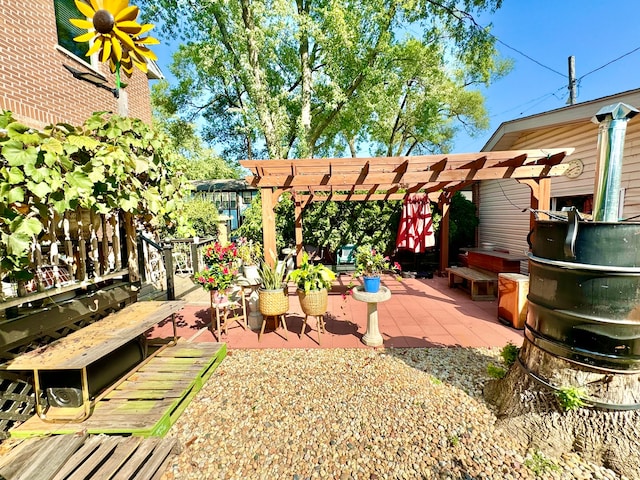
{"points": [[353, 414]]}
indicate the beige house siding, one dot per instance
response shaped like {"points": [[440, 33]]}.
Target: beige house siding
{"points": [[500, 202]]}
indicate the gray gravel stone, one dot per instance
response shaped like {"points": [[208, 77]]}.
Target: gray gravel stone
{"points": [[352, 414]]}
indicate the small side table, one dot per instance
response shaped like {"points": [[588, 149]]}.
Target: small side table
{"points": [[372, 336], [231, 310]]}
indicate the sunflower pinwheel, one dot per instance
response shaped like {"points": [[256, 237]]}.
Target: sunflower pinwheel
{"points": [[116, 35]]}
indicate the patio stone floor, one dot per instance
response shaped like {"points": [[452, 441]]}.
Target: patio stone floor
{"points": [[420, 313]]}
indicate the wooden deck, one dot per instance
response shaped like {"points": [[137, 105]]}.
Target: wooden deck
{"points": [[149, 401], [87, 457]]}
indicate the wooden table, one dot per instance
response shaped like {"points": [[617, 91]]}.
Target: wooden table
{"points": [[86, 346], [494, 261]]}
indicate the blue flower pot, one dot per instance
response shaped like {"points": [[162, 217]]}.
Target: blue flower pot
{"points": [[371, 284]]}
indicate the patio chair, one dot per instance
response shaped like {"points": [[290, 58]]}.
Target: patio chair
{"points": [[346, 259]]}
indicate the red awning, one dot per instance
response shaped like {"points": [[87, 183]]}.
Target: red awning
{"points": [[415, 232]]}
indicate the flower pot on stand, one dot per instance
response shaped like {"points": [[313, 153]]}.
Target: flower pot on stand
{"points": [[313, 302], [273, 304], [371, 284], [251, 273], [218, 297]]}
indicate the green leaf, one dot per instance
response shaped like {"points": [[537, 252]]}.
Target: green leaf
{"points": [[80, 141], [142, 165], [15, 195], [18, 243], [16, 128], [52, 145], [15, 175], [79, 179], [16, 155], [40, 189]]}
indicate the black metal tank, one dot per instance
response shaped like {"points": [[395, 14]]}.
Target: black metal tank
{"points": [[584, 292]]}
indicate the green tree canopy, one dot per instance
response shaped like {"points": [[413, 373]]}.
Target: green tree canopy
{"points": [[284, 78], [196, 160]]}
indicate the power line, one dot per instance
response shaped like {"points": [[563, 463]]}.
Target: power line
{"points": [[525, 55], [609, 63]]}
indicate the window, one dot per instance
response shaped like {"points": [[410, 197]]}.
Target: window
{"points": [[66, 9]]}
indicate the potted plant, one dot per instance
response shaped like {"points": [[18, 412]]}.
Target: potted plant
{"points": [[370, 264], [273, 295], [250, 253], [220, 254], [313, 282], [216, 278]]}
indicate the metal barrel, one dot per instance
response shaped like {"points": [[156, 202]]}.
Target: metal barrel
{"points": [[584, 293]]}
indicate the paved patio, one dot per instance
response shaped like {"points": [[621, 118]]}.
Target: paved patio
{"points": [[420, 313]]}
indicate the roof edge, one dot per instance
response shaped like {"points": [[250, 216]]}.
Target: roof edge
{"points": [[563, 115]]}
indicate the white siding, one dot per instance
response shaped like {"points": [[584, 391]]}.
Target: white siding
{"points": [[502, 220], [500, 202]]}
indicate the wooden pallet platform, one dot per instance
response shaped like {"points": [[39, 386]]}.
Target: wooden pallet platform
{"points": [[87, 457], [149, 401]]}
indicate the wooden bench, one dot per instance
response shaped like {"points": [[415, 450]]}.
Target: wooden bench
{"points": [[482, 285], [72, 356]]}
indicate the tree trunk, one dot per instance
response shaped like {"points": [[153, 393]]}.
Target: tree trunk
{"points": [[606, 433]]}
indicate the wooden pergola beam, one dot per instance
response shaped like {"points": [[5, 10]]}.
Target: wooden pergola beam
{"points": [[383, 178], [373, 179]]}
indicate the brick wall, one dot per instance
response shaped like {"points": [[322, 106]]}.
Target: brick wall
{"points": [[34, 84]]}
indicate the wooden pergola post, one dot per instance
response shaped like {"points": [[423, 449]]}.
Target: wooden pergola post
{"points": [[269, 225], [298, 208], [540, 196], [444, 202]]}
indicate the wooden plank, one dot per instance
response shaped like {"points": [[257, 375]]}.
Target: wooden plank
{"points": [[141, 454], [85, 466], [123, 451], [157, 459], [85, 346], [20, 331], [42, 459]]}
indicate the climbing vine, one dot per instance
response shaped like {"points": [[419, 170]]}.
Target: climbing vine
{"points": [[109, 163]]}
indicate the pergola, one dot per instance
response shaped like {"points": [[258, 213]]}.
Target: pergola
{"points": [[394, 178]]}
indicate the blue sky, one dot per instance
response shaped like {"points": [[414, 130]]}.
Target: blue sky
{"points": [[549, 31], [595, 32]]}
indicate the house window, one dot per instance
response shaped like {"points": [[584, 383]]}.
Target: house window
{"points": [[584, 203], [66, 9]]}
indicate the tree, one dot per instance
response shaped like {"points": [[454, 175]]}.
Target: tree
{"points": [[197, 161], [323, 77]]}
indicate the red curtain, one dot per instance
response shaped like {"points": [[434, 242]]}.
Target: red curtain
{"points": [[415, 232]]}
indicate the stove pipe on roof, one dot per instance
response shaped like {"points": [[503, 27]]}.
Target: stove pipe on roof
{"points": [[613, 126]]}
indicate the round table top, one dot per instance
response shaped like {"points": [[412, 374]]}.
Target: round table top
{"points": [[381, 295]]}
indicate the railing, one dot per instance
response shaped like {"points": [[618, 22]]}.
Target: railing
{"points": [[75, 250], [160, 261]]}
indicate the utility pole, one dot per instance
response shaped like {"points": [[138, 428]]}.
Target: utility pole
{"points": [[572, 80]]}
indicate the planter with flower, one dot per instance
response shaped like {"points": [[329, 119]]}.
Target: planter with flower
{"points": [[273, 292], [370, 264], [221, 254], [217, 278]]}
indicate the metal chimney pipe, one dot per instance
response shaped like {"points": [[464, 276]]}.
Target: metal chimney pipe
{"points": [[613, 127]]}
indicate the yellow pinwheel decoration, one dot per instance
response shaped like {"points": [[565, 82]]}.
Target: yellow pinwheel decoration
{"points": [[116, 35]]}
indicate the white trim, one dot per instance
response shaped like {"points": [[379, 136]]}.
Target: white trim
{"points": [[509, 132], [90, 63]]}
